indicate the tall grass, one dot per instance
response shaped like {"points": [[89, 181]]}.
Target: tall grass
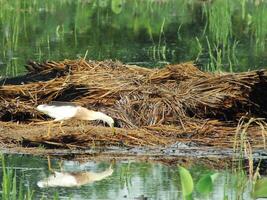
{"points": [[244, 151], [10, 188], [219, 59], [259, 25], [220, 49], [219, 21]]}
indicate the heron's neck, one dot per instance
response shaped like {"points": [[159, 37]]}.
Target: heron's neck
{"points": [[94, 115]]}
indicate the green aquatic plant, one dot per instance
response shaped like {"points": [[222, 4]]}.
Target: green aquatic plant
{"points": [[56, 196], [242, 145], [10, 190], [237, 185], [244, 151], [215, 63], [134, 31], [231, 56], [200, 49], [186, 183], [219, 59], [126, 175], [219, 21], [260, 188], [203, 186], [259, 28], [205, 183], [158, 51]]}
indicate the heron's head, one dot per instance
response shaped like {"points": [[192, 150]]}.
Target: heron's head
{"points": [[43, 108], [110, 122]]}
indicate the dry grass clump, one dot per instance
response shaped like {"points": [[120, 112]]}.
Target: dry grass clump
{"points": [[177, 102]]}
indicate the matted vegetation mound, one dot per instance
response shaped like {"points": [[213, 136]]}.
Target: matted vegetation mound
{"points": [[174, 103]]}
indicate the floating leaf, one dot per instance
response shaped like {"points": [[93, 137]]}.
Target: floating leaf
{"points": [[186, 181], [205, 183], [116, 6], [260, 188]]}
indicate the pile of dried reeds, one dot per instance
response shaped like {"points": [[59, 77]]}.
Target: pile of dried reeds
{"points": [[178, 102]]}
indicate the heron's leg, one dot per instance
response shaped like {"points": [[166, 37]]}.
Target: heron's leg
{"points": [[113, 130], [60, 127], [82, 127], [49, 164], [49, 129]]}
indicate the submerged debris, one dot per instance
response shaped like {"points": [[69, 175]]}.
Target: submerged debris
{"points": [[150, 106]]}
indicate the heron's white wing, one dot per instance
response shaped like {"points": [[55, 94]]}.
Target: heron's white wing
{"points": [[62, 103], [61, 112]]}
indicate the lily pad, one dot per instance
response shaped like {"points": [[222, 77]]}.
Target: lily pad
{"points": [[205, 183], [186, 181]]}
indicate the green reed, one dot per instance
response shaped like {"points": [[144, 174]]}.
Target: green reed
{"points": [[10, 189], [219, 21], [246, 177], [259, 28]]}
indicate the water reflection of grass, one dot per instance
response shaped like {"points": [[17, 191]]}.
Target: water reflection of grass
{"points": [[43, 30]]}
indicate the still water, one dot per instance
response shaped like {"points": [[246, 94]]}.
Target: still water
{"points": [[128, 179]]}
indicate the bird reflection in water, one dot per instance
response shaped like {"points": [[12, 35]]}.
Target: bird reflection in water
{"points": [[72, 179]]}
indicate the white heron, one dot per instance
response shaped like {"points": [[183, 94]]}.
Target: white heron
{"points": [[62, 111], [72, 179]]}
